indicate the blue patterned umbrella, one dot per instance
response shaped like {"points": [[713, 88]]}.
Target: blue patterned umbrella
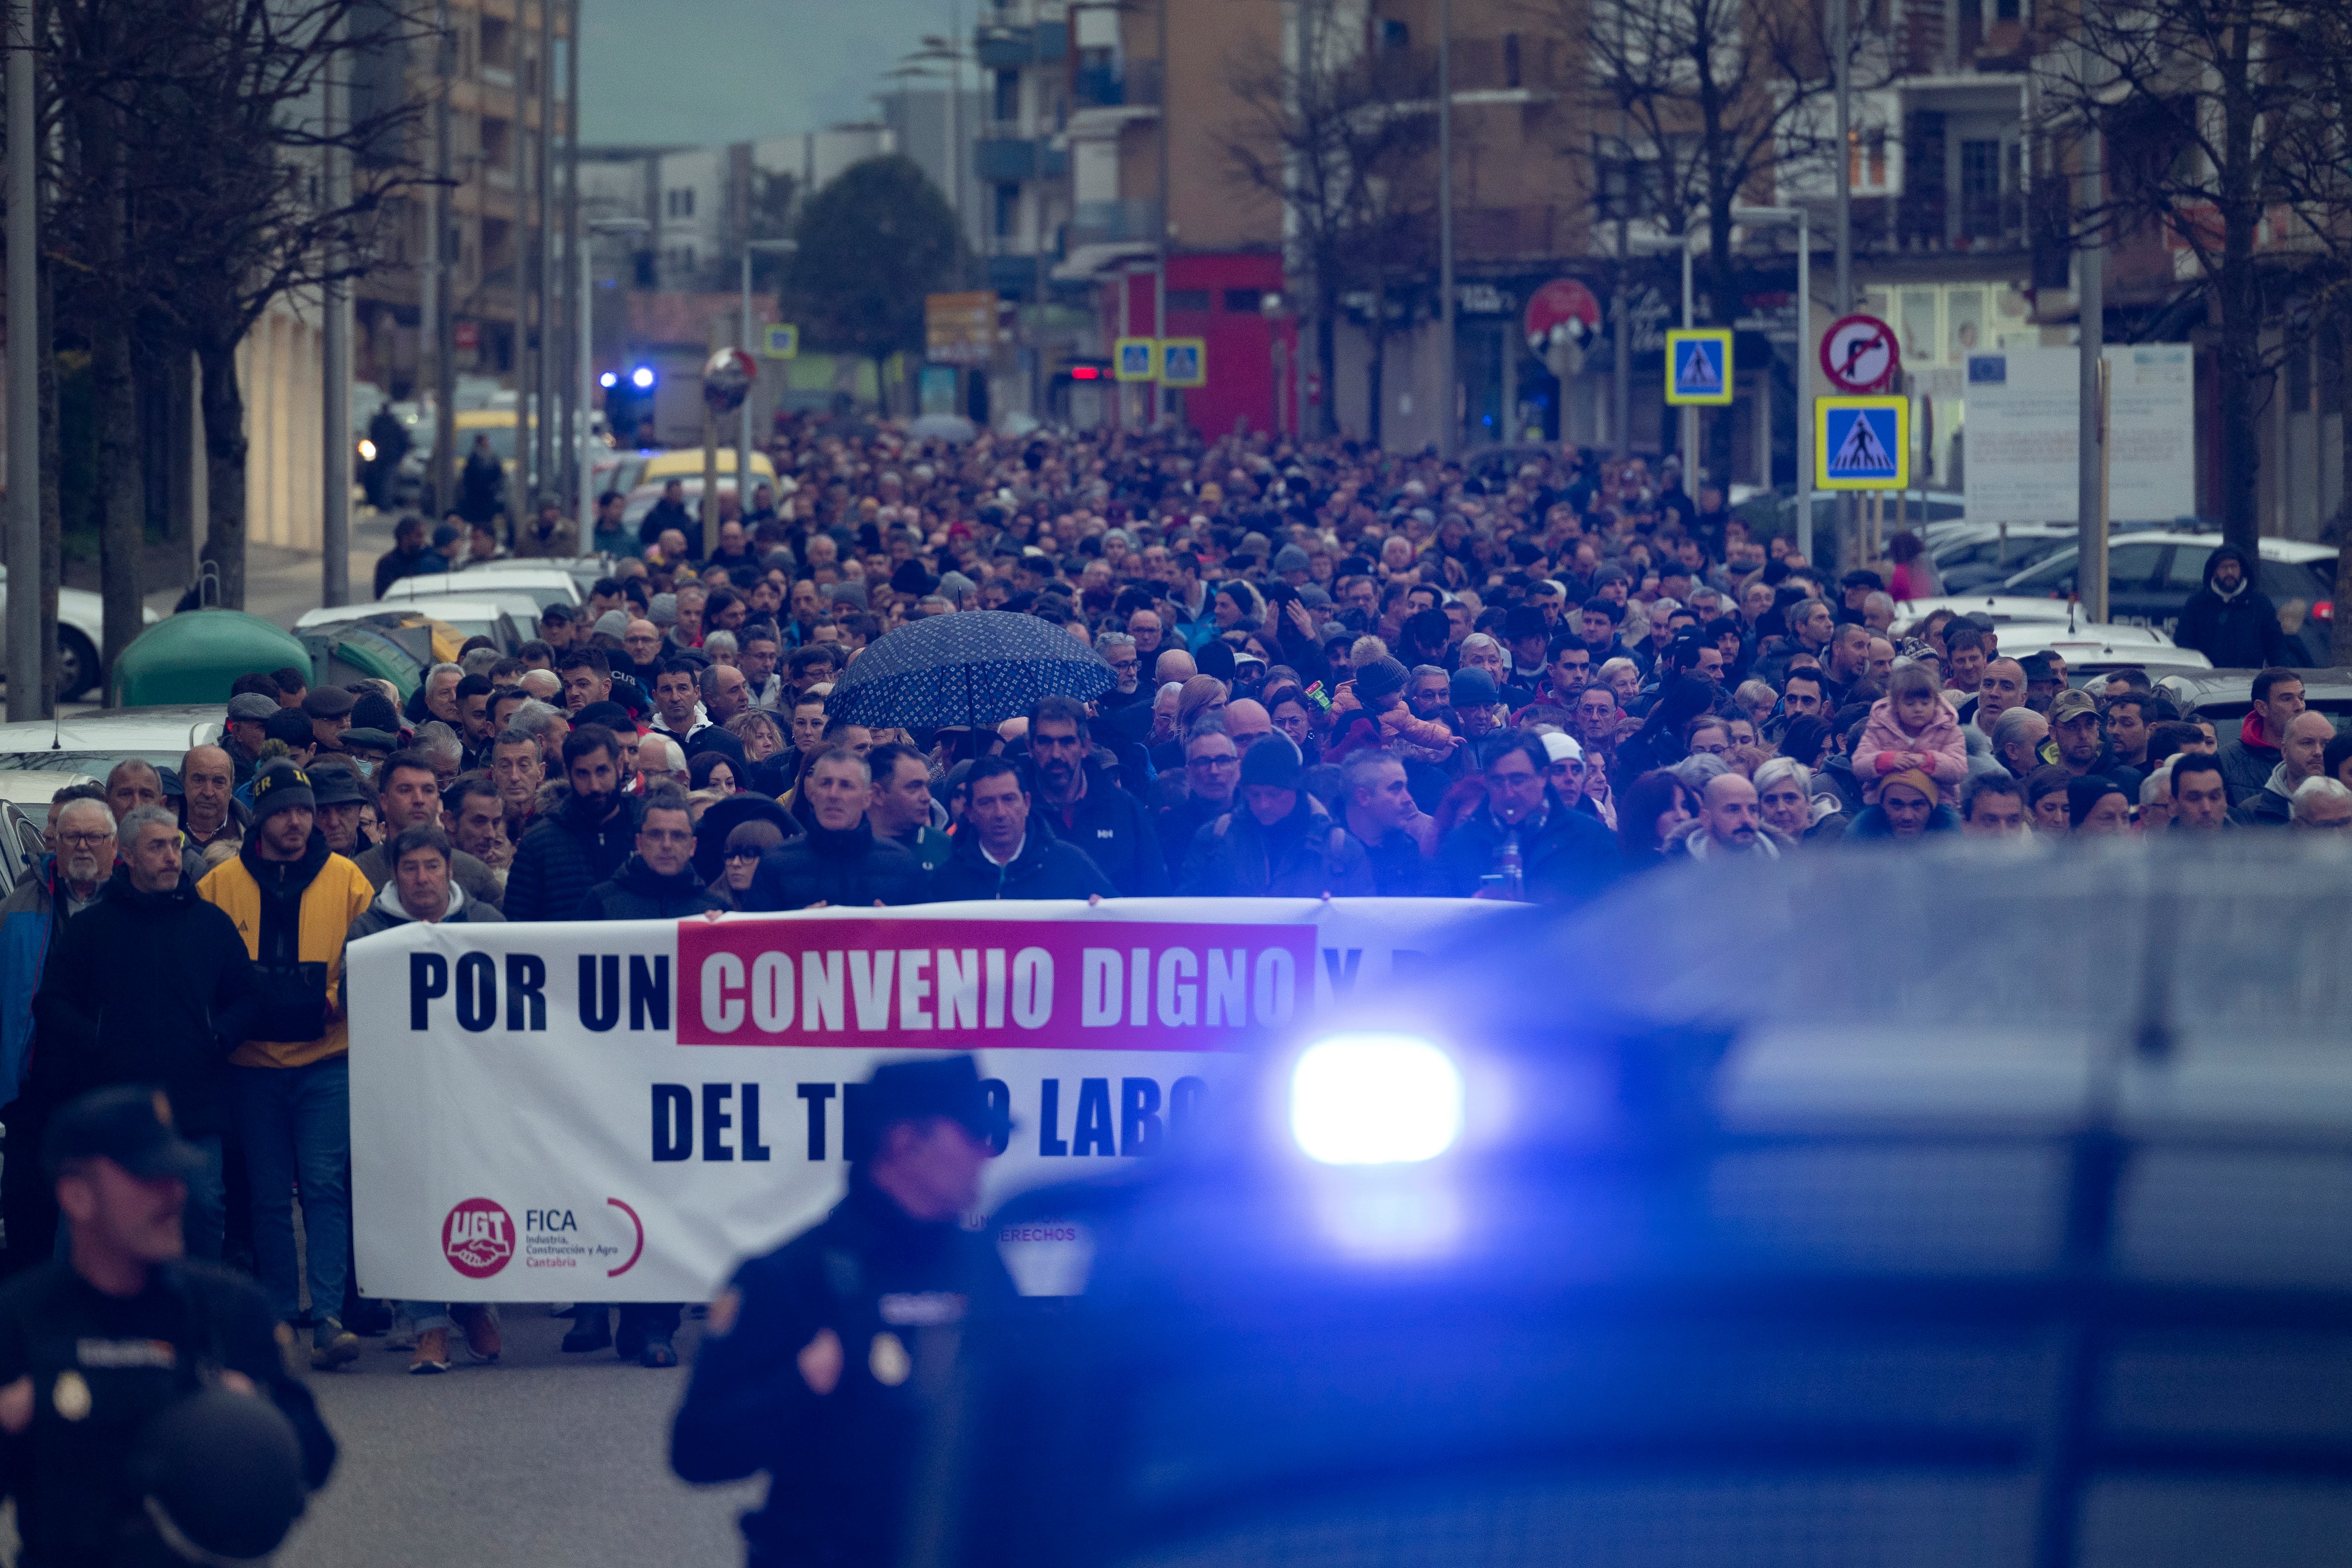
{"points": [[975, 668]]}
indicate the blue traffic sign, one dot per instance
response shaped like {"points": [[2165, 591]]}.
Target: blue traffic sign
{"points": [[1700, 359], [1861, 443]]}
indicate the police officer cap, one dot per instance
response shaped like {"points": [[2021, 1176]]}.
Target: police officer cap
{"points": [[221, 1473], [128, 1124], [917, 1091]]}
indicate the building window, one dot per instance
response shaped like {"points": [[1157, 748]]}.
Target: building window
{"points": [[1187, 301], [1008, 95], [1241, 301], [1395, 35], [1511, 59], [678, 204], [1980, 190], [1008, 210]]}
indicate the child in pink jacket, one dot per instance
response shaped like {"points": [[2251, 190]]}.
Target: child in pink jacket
{"points": [[1912, 727]]}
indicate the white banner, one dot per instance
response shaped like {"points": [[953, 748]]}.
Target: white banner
{"points": [[2024, 434], [587, 1111]]}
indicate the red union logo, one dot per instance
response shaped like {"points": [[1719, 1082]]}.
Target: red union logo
{"points": [[478, 1237]]}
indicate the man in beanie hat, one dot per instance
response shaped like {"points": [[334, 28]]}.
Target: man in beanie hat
{"points": [[1907, 809], [1281, 843], [293, 901], [823, 1359], [76, 1403]]}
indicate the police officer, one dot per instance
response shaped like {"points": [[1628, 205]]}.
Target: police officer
{"points": [[824, 1357], [110, 1358]]}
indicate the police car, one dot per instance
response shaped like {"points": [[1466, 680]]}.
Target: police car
{"points": [[1725, 1243]]}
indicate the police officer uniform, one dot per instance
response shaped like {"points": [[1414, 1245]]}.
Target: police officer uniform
{"points": [[103, 1367], [895, 1291]]}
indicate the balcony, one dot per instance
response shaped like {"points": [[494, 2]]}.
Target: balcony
{"points": [[1133, 220], [1005, 48], [1111, 86], [1004, 158]]}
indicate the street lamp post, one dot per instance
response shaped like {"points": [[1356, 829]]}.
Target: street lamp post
{"points": [[586, 500], [743, 447], [1799, 216]]}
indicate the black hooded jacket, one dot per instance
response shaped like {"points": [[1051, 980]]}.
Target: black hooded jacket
{"points": [[149, 988], [2240, 631], [1045, 867], [562, 856]]}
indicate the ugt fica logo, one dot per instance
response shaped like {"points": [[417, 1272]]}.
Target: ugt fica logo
{"points": [[478, 1237]]}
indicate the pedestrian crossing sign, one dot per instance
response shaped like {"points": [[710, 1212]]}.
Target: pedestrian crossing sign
{"points": [[1700, 361], [1136, 359], [1183, 362], [1861, 443]]}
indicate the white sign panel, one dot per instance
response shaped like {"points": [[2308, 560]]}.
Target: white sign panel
{"points": [[2023, 434], [621, 1111]]}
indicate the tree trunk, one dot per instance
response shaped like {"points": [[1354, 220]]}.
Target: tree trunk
{"points": [[224, 451], [53, 561], [1375, 368], [2239, 359], [122, 525], [1723, 308], [1327, 366]]}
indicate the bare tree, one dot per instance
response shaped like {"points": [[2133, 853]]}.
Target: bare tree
{"points": [[186, 153], [2207, 111], [1346, 139], [1689, 107]]}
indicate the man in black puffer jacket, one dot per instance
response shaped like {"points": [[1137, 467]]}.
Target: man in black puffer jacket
{"points": [[838, 862], [656, 883], [568, 852], [1004, 851]]}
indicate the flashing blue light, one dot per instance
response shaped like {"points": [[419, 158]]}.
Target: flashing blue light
{"points": [[642, 378], [608, 381], [1374, 1100]]}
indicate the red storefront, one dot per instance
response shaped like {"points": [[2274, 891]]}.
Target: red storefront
{"points": [[1217, 297]]}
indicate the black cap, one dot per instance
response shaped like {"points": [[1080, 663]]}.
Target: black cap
{"points": [[337, 786], [280, 787], [225, 1473], [130, 1124], [915, 1091]]}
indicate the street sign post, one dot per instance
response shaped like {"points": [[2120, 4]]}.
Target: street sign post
{"points": [[1858, 355], [782, 341], [1700, 359], [1136, 359], [959, 329], [1183, 362], [1861, 443]]}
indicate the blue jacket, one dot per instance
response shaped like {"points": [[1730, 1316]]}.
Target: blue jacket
{"points": [[28, 928]]}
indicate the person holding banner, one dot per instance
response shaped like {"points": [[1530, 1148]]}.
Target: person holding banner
{"points": [[656, 883], [1003, 849], [839, 861], [569, 850], [824, 1357]]}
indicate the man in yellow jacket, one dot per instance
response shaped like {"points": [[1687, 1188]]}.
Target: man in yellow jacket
{"points": [[292, 900]]}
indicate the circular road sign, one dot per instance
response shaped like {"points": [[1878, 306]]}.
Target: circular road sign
{"points": [[1556, 304], [1858, 355]]}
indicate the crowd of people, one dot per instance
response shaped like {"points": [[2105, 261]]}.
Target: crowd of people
{"points": [[1328, 672]]}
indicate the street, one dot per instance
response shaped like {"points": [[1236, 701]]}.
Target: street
{"points": [[541, 1459]]}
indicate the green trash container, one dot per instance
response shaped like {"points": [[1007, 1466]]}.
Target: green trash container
{"points": [[196, 655]]}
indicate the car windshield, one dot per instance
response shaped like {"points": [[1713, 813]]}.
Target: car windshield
{"points": [[97, 764]]}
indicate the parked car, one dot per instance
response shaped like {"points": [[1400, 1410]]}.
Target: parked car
{"points": [[94, 742], [536, 583], [81, 632], [2226, 697], [1969, 556], [2151, 575]]}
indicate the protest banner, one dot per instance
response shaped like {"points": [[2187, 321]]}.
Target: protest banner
{"points": [[620, 1112]]}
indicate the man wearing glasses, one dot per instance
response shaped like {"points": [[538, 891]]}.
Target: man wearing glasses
{"points": [[1212, 768]]}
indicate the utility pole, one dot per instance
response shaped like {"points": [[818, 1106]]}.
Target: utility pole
{"points": [[574, 423], [444, 475], [335, 531], [2091, 450], [1160, 401], [27, 699], [542, 446], [1840, 65], [1450, 411], [525, 161]]}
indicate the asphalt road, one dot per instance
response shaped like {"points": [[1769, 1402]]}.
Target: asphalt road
{"points": [[542, 1461]]}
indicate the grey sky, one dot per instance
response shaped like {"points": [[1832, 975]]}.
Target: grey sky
{"points": [[693, 71]]}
